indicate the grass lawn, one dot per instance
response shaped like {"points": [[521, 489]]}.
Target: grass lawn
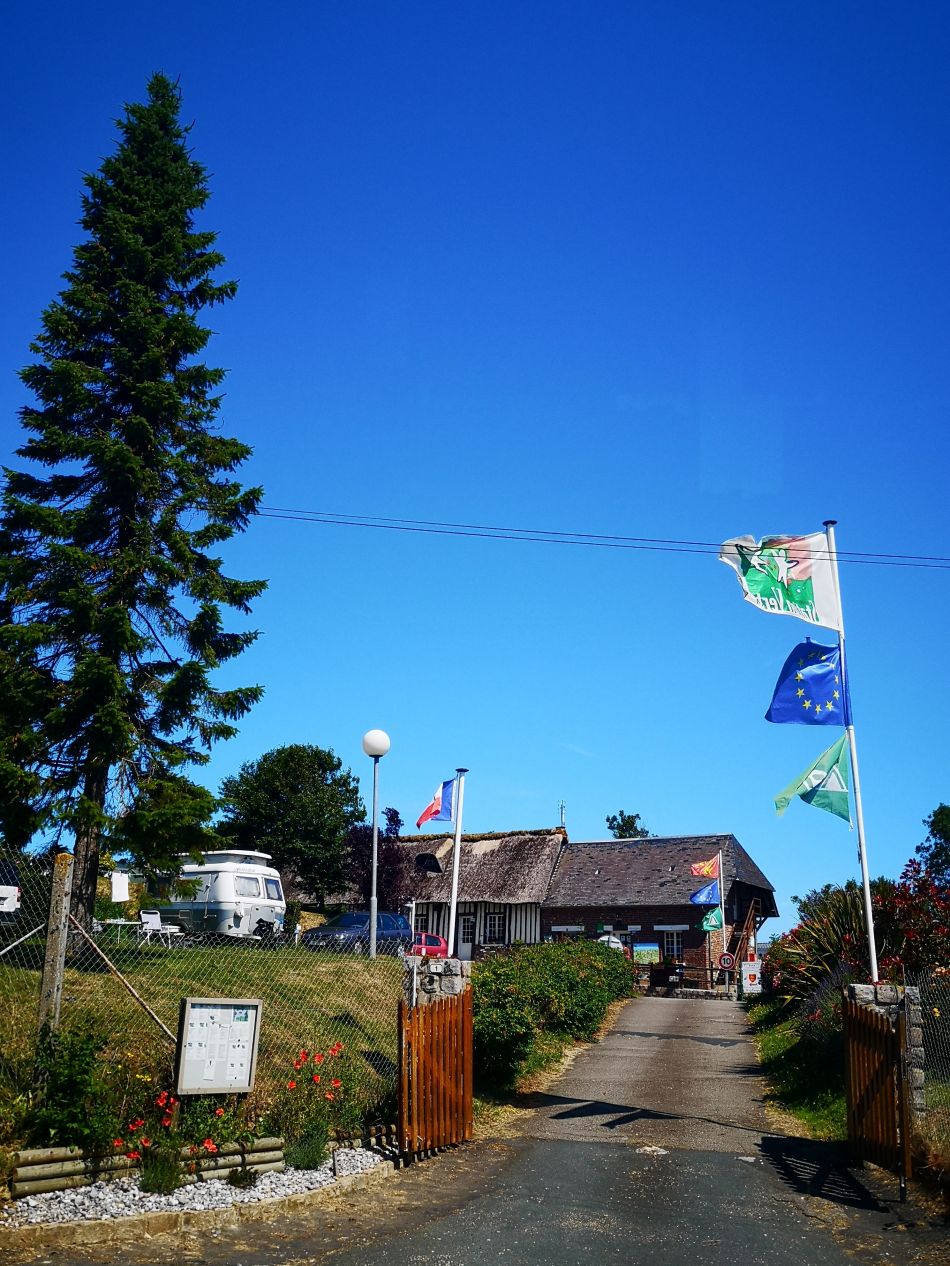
{"points": [[805, 1077]]}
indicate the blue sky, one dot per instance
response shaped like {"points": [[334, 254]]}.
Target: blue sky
{"points": [[652, 270]]}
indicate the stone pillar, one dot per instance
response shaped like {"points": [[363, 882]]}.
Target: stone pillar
{"points": [[435, 978]]}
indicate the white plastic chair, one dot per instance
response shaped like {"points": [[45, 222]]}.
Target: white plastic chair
{"points": [[152, 925]]}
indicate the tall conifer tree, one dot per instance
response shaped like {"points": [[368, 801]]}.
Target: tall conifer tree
{"points": [[110, 593]]}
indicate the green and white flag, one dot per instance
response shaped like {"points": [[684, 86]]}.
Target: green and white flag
{"points": [[712, 920], [787, 575], [824, 784]]}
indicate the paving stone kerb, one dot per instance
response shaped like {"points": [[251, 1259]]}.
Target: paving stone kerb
{"points": [[47, 1236], [891, 1000]]}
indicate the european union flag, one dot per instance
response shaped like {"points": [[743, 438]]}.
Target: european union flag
{"points": [[707, 896], [811, 689]]}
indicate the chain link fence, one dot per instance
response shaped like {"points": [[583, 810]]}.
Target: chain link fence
{"points": [[124, 978], [933, 1123]]}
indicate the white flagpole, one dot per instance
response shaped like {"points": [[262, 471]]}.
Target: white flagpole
{"points": [[829, 526], [459, 797], [722, 912]]}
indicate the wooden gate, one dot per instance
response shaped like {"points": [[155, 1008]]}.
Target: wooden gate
{"points": [[435, 1074], [878, 1110]]}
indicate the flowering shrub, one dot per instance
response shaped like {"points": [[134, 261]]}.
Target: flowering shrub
{"points": [[315, 1105]]}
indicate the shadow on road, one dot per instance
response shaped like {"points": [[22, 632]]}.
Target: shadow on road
{"points": [[813, 1168], [621, 1114], [680, 1037]]}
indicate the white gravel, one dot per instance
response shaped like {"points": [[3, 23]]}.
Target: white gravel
{"points": [[121, 1197]]}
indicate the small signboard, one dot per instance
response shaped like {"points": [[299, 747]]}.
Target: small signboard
{"points": [[752, 976], [217, 1045], [645, 952], [727, 961]]}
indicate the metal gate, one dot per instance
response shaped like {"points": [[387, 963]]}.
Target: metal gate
{"points": [[435, 1074], [878, 1110]]}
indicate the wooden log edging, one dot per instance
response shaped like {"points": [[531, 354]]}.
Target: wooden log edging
{"points": [[41, 1169]]}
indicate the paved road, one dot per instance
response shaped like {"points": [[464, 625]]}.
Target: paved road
{"points": [[652, 1148]]}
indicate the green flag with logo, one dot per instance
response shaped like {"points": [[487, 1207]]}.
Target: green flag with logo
{"points": [[824, 784], [711, 921], [786, 575]]}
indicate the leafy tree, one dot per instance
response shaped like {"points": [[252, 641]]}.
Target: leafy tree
{"points": [[626, 826], [110, 594], [298, 804], [935, 850], [392, 868]]}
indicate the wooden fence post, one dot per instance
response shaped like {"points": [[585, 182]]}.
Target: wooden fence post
{"points": [[54, 964]]}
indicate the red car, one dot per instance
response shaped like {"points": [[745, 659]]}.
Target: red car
{"points": [[429, 945]]}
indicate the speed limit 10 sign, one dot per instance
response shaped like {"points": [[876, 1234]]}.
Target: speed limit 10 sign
{"points": [[727, 961]]}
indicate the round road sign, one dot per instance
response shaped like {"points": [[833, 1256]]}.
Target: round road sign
{"points": [[727, 961]]}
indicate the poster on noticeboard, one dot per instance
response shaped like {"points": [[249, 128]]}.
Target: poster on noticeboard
{"points": [[217, 1045]]}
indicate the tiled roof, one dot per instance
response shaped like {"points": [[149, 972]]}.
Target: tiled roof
{"points": [[649, 871], [509, 866]]}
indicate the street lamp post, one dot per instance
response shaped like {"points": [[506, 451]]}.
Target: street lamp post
{"points": [[375, 744]]}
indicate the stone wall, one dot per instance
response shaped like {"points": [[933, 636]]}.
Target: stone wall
{"points": [[435, 978], [890, 1000]]}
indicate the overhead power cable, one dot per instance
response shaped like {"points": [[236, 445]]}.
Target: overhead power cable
{"points": [[545, 536]]}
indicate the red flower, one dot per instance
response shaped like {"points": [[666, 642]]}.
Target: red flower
{"points": [[219, 1112], [297, 1063], [162, 1099], [166, 1121], [291, 1085], [336, 1083], [145, 1142], [329, 1095], [134, 1155], [303, 1056], [318, 1058], [118, 1142], [209, 1145], [316, 1079]]}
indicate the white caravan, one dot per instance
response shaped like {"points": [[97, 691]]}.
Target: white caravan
{"points": [[233, 891]]}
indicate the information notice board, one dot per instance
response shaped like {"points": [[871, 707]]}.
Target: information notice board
{"points": [[217, 1045]]}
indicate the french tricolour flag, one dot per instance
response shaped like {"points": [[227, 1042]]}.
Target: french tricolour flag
{"points": [[441, 808]]}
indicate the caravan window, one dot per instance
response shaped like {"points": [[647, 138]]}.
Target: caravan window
{"points": [[273, 890], [247, 886]]}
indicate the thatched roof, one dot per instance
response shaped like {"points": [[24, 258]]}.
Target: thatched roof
{"points": [[650, 872], [507, 866]]}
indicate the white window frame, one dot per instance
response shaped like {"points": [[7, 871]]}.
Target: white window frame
{"points": [[463, 939], [494, 920], [673, 944]]}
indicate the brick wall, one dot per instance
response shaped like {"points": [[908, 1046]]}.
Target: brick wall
{"points": [[589, 917]]}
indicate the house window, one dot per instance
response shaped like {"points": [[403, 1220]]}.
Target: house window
{"points": [[467, 929], [495, 929], [422, 921], [673, 945]]}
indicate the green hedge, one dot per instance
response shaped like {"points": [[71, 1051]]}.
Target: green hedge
{"points": [[562, 990]]}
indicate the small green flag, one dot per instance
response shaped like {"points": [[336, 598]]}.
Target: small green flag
{"points": [[712, 920], [824, 784]]}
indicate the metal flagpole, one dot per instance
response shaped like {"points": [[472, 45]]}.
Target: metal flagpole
{"points": [[829, 526], [722, 912], [459, 797]]}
